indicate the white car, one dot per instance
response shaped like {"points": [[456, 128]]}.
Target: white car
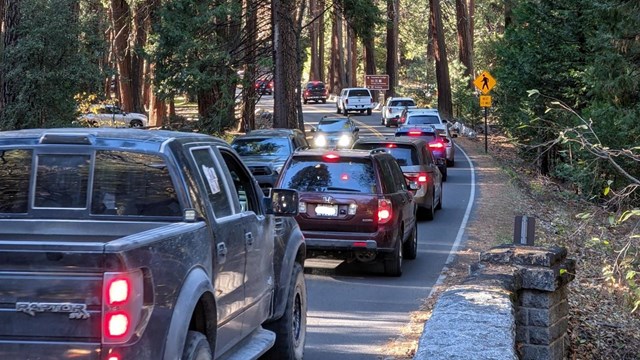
{"points": [[393, 108], [105, 115], [354, 99]]}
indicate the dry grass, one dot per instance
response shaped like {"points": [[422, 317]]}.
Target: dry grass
{"points": [[601, 325]]}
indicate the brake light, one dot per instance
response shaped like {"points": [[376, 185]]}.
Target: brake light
{"points": [[114, 357], [385, 211], [418, 177], [436, 145], [402, 120], [331, 157], [359, 244], [422, 178], [392, 145], [415, 132], [122, 296], [344, 177]]}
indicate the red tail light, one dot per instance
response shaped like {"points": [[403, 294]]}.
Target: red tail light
{"points": [[436, 145], [331, 157], [385, 211], [420, 178], [122, 295], [415, 132], [392, 145]]}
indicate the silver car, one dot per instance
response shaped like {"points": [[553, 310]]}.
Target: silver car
{"points": [[418, 117]]}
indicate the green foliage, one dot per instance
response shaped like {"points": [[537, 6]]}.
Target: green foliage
{"points": [[363, 16], [45, 68]]}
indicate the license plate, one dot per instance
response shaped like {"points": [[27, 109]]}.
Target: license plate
{"points": [[326, 210]]}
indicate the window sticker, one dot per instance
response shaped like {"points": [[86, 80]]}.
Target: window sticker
{"points": [[212, 179]]}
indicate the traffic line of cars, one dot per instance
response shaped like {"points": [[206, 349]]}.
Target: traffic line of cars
{"points": [[359, 198]]}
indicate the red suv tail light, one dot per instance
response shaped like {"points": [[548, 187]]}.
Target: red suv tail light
{"points": [[385, 211], [436, 144], [420, 178], [121, 305]]}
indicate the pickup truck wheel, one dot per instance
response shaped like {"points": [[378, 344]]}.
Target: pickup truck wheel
{"points": [[393, 265], [411, 246], [291, 328], [337, 110], [324, 101], [304, 101], [196, 347], [368, 111], [135, 124]]}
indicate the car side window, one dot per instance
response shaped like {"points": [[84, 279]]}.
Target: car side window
{"points": [[213, 178], [427, 156], [386, 177], [398, 178], [242, 183]]}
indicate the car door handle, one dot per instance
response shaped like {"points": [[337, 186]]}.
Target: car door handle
{"points": [[222, 249], [248, 238]]}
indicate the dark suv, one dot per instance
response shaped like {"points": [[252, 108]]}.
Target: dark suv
{"points": [[354, 204], [417, 164], [316, 91], [437, 143], [265, 151]]}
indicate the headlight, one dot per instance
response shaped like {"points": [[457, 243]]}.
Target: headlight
{"points": [[345, 140], [320, 141]]}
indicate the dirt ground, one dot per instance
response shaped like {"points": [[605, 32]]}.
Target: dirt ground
{"points": [[601, 324]]}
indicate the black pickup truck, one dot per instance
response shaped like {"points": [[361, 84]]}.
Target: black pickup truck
{"points": [[128, 244]]}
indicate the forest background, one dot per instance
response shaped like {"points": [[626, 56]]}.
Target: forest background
{"points": [[567, 71]]}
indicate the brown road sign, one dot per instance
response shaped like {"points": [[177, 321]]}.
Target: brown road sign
{"points": [[485, 82], [376, 82]]}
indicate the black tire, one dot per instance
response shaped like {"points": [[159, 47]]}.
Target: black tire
{"points": [[444, 175], [451, 163], [337, 109], [345, 111], [410, 248], [439, 207], [196, 347], [291, 328], [393, 264], [304, 101], [136, 123], [430, 211], [368, 111], [324, 101]]}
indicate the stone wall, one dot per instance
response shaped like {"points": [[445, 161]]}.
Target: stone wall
{"points": [[513, 305]]}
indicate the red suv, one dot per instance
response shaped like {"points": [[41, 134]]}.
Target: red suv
{"points": [[354, 204]]}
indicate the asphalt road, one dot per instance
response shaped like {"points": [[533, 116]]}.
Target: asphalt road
{"points": [[353, 311]]}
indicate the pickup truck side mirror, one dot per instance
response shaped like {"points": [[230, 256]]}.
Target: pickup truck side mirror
{"points": [[282, 202]]}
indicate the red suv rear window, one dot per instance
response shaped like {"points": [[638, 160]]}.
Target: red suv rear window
{"points": [[311, 174]]}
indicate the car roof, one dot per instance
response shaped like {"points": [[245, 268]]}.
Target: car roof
{"points": [[277, 132], [395, 140]]}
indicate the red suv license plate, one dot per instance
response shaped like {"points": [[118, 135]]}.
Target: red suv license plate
{"points": [[326, 210]]}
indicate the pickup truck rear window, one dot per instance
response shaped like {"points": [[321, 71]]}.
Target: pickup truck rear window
{"points": [[401, 103], [15, 170], [359, 92]]}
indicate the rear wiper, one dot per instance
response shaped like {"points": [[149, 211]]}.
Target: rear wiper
{"points": [[332, 188]]}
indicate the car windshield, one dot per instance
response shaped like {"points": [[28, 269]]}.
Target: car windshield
{"points": [[404, 155], [262, 146], [422, 119], [315, 175], [333, 125], [402, 103]]}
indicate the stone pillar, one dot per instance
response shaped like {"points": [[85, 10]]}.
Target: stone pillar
{"points": [[541, 306]]}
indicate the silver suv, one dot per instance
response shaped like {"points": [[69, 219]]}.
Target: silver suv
{"points": [[418, 118]]}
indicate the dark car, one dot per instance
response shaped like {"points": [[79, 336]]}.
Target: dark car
{"points": [[265, 151], [437, 143], [264, 86], [335, 132], [316, 91], [354, 205], [417, 164]]}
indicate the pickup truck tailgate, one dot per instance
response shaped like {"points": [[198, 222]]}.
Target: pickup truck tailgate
{"points": [[59, 298]]}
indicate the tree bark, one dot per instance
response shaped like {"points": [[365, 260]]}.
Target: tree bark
{"points": [[314, 68], [10, 21], [370, 61], [465, 51], [352, 61], [121, 23], [141, 29], [472, 12], [321, 73], [286, 69], [445, 106], [392, 45], [250, 72]]}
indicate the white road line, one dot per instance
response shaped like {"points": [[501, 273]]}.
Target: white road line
{"points": [[463, 224]]}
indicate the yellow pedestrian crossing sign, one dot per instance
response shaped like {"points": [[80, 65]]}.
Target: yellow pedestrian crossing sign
{"points": [[485, 82]]}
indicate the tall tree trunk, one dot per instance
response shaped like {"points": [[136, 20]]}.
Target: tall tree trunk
{"points": [[250, 72], [321, 74], [370, 61], [445, 106], [431, 57], [465, 51], [141, 28], [472, 13], [121, 23], [157, 107], [286, 70], [335, 74], [392, 45], [342, 76], [10, 21], [352, 59], [314, 69]]}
